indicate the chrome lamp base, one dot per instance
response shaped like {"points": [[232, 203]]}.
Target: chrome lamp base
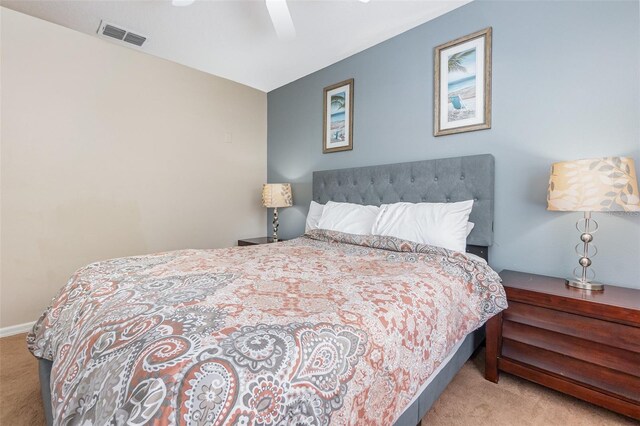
{"points": [[275, 225], [591, 286], [582, 275]]}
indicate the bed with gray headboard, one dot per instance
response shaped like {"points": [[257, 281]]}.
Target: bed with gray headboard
{"points": [[434, 181], [441, 180]]}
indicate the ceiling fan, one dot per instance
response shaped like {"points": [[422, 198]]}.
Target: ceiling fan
{"points": [[278, 11]]}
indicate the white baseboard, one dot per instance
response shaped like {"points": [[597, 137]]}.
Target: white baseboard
{"points": [[16, 329]]}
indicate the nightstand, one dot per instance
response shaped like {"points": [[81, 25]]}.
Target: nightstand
{"points": [[585, 344], [257, 241]]}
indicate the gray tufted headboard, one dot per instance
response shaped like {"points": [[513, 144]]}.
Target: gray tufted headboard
{"points": [[435, 181]]}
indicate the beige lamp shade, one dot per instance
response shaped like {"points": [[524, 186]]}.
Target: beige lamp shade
{"points": [[594, 185], [277, 195]]}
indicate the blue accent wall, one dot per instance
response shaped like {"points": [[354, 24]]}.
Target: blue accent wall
{"points": [[566, 85]]}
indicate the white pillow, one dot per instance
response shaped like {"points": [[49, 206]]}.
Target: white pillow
{"points": [[437, 224], [315, 212], [348, 218], [470, 226]]}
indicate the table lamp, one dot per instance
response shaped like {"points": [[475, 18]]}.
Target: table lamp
{"points": [[276, 195], [595, 185]]}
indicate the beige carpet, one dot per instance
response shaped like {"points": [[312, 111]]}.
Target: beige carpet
{"points": [[20, 400], [469, 399]]}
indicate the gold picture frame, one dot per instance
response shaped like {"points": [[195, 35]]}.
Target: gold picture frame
{"points": [[337, 117], [462, 88]]}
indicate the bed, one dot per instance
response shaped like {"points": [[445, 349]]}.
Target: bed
{"points": [[328, 328]]}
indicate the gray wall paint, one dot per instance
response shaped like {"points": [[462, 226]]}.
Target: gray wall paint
{"points": [[565, 86]]}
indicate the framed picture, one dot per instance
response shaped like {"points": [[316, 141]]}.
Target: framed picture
{"points": [[462, 84], [338, 117]]}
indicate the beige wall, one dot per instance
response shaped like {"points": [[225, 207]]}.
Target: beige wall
{"points": [[109, 152]]}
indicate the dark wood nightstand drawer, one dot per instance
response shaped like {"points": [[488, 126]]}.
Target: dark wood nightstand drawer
{"points": [[605, 332], [592, 352], [610, 381]]}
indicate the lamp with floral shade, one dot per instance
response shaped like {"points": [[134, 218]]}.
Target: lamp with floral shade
{"points": [[606, 184], [276, 195]]}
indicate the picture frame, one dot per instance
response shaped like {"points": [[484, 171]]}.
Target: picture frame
{"points": [[337, 117], [462, 84]]}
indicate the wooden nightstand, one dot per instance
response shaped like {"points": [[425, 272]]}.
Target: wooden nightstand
{"points": [[256, 241], [585, 344]]}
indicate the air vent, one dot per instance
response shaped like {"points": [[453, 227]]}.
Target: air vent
{"points": [[116, 32], [111, 31], [134, 39]]}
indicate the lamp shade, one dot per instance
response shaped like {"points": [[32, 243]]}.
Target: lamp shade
{"points": [[277, 195], [594, 185]]}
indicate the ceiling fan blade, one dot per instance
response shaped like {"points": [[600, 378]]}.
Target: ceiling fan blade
{"points": [[281, 19]]}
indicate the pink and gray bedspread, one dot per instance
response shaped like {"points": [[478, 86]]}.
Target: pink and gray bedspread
{"points": [[328, 328]]}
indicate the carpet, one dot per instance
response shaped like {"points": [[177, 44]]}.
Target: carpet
{"points": [[471, 400], [20, 400], [468, 400]]}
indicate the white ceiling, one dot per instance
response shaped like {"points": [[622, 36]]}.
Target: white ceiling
{"points": [[235, 39]]}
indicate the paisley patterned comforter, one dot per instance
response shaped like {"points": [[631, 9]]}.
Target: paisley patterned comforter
{"points": [[325, 329]]}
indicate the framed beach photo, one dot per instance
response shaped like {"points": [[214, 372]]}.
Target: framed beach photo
{"points": [[462, 84], [338, 117]]}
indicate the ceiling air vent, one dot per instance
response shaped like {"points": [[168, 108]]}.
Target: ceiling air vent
{"points": [[112, 31], [134, 39]]}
